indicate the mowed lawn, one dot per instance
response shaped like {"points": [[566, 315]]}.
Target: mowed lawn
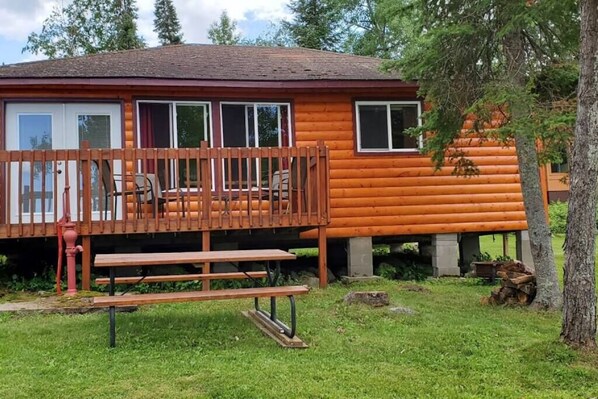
{"points": [[452, 348]]}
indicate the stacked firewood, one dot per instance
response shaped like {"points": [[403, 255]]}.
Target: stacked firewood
{"points": [[517, 285]]}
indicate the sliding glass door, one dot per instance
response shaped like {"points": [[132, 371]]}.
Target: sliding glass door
{"points": [[254, 125], [173, 124]]}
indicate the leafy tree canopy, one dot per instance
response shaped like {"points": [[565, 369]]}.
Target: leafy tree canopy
{"points": [[86, 27], [224, 31]]}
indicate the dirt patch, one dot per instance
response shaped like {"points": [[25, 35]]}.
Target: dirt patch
{"points": [[78, 304]]}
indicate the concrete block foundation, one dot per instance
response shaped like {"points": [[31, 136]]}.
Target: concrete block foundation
{"points": [[445, 255], [523, 248], [360, 262]]}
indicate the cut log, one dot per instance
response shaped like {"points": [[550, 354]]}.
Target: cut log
{"points": [[517, 285], [523, 279], [522, 297]]}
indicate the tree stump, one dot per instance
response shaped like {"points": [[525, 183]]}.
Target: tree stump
{"points": [[371, 298]]}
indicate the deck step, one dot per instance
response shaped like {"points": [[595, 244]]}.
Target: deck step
{"points": [[147, 299], [182, 277]]}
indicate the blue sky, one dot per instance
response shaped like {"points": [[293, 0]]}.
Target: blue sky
{"points": [[18, 18]]}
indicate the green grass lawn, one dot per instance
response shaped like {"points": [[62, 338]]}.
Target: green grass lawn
{"points": [[452, 348]]}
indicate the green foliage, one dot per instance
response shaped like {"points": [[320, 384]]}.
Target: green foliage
{"points": [[503, 258], [387, 271], [166, 23], [315, 24], [557, 214], [125, 26], [401, 269], [460, 59], [86, 27], [482, 257], [224, 31]]}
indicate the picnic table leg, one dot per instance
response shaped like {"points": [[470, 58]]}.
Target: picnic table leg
{"points": [[272, 316], [112, 311]]}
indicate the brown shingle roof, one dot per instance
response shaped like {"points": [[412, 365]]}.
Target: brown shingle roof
{"points": [[207, 62]]}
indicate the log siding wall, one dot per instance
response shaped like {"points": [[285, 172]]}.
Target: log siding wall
{"points": [[370, 195]]}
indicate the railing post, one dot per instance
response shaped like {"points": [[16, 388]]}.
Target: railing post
{"points": [[85, 157], [325, 212], [206, 185], [323, 181]]}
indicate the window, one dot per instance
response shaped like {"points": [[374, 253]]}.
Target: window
{"points": [[381, 125], [254, 125], [174, 124]]}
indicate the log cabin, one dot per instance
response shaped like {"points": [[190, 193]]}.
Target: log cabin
{"points": [[224, 146]]}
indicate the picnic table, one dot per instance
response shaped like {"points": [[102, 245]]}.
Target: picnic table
{"points": [[146, 260]]}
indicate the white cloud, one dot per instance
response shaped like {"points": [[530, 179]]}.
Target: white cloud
{"points": [[196, 16], [18, 18]]}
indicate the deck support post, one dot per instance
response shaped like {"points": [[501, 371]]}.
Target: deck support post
{"points": [[445, 255], [322, 254], [523, 248], [86, 263], [205, 246], [360, 262]]}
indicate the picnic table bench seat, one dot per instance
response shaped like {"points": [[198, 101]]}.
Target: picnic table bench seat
{"points": [[193, 296]]}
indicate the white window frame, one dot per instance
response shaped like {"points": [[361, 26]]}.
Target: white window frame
{"points": [[255, 124], [247, 104], [388, 104]]}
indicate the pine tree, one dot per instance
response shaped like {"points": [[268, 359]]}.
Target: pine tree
{"points": [[315, 24], [224, 31], [475, 57], [166, 23], [125, 23]]}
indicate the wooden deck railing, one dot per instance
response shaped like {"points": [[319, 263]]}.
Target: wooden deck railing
{"points": [[150, 190]]}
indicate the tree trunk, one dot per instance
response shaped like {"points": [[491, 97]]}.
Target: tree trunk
{"points": [[548, 295], [548, 292], [579, 313]]}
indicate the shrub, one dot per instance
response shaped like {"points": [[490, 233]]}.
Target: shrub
{"points": [[387, 271], [557, 212]]}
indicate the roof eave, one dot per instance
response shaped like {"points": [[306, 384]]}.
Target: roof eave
{"points": [[265, 84]]}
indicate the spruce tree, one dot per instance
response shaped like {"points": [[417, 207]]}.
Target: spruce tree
{"points": [[125, 24], [475, 57], [166, 23], [315, 24], [224, 31]]}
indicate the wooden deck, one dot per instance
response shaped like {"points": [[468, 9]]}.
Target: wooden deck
{"points": [[153, 190]]}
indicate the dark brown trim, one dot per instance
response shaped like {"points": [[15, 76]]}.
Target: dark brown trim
{"points": [[3, 186], [123, 133], [375, 154], [216, 127], [266, 84]]}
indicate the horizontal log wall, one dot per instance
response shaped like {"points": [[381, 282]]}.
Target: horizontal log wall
{"points": [[388, 195], [371, 195]]}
